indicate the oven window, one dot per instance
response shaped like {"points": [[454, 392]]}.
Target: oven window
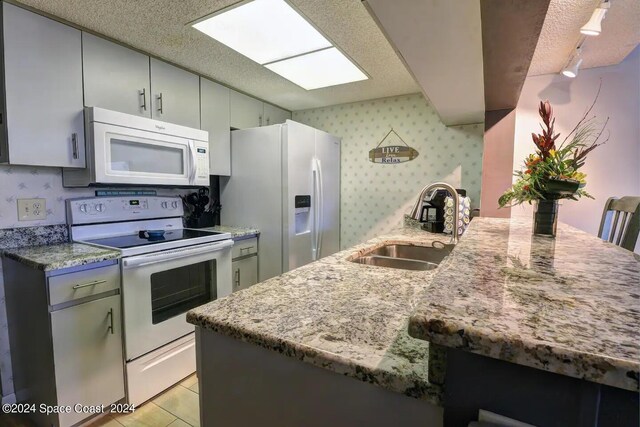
{"points": [[133, 156], [176, 291]]}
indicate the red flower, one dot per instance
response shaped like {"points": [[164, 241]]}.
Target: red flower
{"points": [[526, 188]]}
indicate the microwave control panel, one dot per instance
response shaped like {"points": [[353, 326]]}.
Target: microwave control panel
{"points": [[202, 160]]}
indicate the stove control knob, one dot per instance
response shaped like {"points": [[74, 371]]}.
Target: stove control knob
{"points": [[99, 207], [84, 208], [164, 205], [174, 205]]}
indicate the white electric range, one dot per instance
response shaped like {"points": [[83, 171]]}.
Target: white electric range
{"points": [[166, 270]]}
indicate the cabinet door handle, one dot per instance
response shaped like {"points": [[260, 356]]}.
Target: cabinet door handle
{"points": [[268, 120], [160, 103], [110, 314], [260, 119], [143, 92], [84, 285], [237, 280], [74, 145]]}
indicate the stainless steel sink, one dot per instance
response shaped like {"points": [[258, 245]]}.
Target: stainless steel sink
{"points": [[403, 263], [434, 254], [407, 257]]}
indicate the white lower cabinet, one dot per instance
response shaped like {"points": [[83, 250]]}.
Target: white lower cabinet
{"points": [[87, 354], [65, 333], [245, 272], [244, 264]]}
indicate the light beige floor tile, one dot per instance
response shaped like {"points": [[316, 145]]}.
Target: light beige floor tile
{"points": [[105, 421], [181, 402], [189, 381], [195, 387], [179, 423], [147, 415]]}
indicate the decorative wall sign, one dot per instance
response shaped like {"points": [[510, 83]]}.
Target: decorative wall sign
{"points": [[390, 154]]}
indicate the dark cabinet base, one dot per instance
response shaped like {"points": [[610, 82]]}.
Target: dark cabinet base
{"points": [[531, 395]]}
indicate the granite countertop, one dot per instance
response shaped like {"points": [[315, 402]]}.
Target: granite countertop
{"points": [[237, 233], [569, 305], [345, 317], [64, 255]]}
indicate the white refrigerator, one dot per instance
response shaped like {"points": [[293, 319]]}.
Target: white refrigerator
{"points": [[285, 180]]}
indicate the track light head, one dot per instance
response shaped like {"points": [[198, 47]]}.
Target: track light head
{"points": [[594, 26], [572, 68]]}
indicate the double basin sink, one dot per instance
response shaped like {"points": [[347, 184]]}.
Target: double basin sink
{"points": [[405, 256]]}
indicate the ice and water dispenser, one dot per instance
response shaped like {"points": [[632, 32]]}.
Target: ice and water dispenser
{"points": [[303, 214]]}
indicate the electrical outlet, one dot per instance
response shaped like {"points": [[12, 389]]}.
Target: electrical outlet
{"points": [[32, 209]]}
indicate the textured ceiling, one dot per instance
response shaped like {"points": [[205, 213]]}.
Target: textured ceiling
{"points": [[159, 27], [561, 32]]}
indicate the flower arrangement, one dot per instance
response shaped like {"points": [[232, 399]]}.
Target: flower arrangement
{"points": [[553, 171]]}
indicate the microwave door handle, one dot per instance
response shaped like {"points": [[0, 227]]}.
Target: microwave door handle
{"points": [[170, 255], [192, 162]]}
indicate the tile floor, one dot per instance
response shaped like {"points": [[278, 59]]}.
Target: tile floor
{"points": [[176, 407]]}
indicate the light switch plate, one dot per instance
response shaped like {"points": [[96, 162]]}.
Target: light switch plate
{"points": [[32, 209]]}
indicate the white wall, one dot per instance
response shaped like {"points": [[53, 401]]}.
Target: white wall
{"points": [[613, 169], [375, 197]]}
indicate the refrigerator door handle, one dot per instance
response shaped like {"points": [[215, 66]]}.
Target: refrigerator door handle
{"points": [[320, 210], [316, 202]]}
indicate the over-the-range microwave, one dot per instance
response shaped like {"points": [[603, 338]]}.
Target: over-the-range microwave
{"points": [[127, 149]]}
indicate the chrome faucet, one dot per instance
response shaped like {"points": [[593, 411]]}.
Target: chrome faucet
{"points": [[416, 212]]}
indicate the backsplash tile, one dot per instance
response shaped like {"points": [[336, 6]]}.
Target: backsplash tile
{"points": [[374, 197], [27, 182]]}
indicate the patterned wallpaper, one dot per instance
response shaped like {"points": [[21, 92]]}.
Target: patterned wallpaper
{"points": [[32, 182], [374, 197]]}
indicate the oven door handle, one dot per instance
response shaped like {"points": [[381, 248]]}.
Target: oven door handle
{"points": [[170, 255]]}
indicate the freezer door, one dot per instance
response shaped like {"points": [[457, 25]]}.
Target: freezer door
{"points": [[252, 195], [299, 201], [327, 149]]}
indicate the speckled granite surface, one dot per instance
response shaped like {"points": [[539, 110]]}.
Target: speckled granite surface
{"points": [[33, 236], [55, 257], [338, 315], [569, 305], [237, 233]]}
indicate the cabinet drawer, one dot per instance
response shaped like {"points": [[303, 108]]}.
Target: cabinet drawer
{"points": [[244, 247], [80, 284]]}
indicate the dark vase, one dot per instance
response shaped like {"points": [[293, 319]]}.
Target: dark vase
{"points": [[561, 187], [545, 218]]}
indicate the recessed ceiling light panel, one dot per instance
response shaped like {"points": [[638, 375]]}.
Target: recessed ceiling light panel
{"points": [[264, 30], [328, 67]]}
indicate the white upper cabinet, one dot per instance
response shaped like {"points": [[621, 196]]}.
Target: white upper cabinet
{"points": [[175, 94], [274, 115], [245, 111], [248, 112], [214, 118], [43, 121], [115, 77]]}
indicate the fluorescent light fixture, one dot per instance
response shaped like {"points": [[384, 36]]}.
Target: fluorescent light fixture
{"points": [[571, 70], [263, 30], [594, 26], [328, 67]]}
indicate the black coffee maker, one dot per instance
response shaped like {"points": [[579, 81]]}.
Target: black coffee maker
{"points": [[433, 210]]}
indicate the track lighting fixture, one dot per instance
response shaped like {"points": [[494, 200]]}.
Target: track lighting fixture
{"points": [[594, 26]]}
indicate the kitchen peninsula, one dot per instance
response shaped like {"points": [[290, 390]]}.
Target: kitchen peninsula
{"points": [[569, 306]]}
